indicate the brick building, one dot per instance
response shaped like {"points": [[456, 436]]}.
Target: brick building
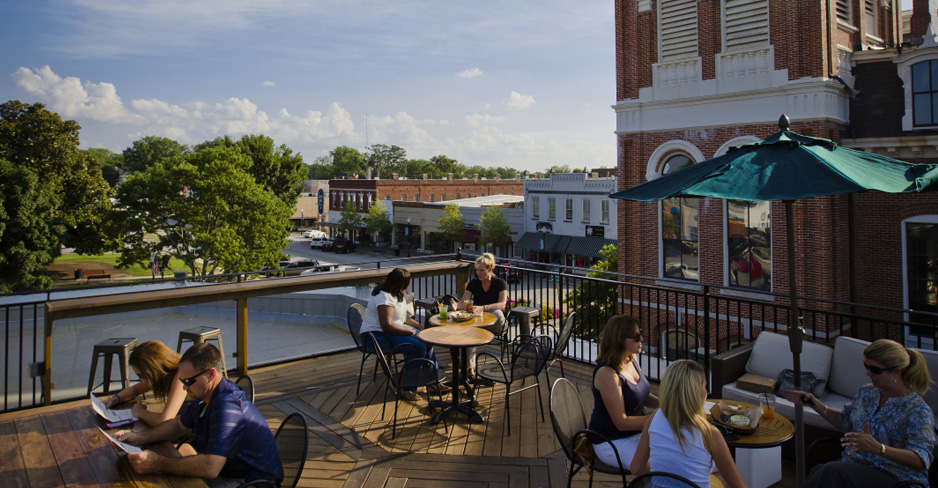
{"points": [[696, 77]]}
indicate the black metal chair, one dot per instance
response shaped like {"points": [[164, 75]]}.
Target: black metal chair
{"points": [[292, 440], [568, 418], [413, 374], [528, 359], [247, 386], [660, 479], [355, 317], [560, 345]]}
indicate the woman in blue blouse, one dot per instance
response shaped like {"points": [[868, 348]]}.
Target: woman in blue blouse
{"points": [[889, 427], [620, 391]]}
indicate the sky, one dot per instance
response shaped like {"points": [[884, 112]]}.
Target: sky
{"points": [[525, 85]]}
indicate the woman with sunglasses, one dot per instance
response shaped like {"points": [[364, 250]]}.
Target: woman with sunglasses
{"points": [[157, 366], [620, 391], [889, 427]]}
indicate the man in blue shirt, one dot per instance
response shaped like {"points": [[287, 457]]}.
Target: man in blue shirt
{"points": [[232, 439]]}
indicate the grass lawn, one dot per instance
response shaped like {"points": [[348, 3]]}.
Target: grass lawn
{"points": [[111, 260]]}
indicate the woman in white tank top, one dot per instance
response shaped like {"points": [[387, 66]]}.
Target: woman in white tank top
{"points": [[678, 439]]}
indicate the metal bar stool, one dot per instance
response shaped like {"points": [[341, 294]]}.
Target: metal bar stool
{"points": [[198, 335], [121, 346], [524, 315]]}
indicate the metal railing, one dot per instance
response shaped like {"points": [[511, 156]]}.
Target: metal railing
{"points": [[678, 319]]}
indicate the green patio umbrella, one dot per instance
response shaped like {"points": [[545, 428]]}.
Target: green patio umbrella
{"points": [[788, 166]]}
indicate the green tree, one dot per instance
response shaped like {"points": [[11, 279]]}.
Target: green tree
{"points": [[494, 228], [350, 220], [205, 209], [347, 161], [53, 195], [110, 163], [451, 225], [276, 168], [377, 222], [596, 300], [321, 169], [150, 150], [385, 160]]}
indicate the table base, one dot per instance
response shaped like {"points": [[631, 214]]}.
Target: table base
{"points": [[447, 408], [759, 468]]}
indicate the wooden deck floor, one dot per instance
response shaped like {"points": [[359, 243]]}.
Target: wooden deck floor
{"points": [[351, 443]]}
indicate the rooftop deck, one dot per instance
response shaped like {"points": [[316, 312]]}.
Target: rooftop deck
{"points": [[351, 445]]}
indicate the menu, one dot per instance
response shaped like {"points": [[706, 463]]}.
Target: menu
{"points": [[107, 413]]}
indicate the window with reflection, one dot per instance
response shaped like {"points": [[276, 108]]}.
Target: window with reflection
{"points": [[925, 93], [535, 207], [679, 232], [922, 272], [749, 241], [551, 208]]}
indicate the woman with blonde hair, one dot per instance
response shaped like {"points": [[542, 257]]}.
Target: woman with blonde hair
{"points": [[889, 427], [489, 293], [678, 439], [157, 366], [620, 390]]}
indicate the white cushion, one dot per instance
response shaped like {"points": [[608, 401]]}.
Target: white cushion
{"points": [[771, 354], [847, 371]]}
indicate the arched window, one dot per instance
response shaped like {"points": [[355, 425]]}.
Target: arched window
{"points": [[679, 229]]}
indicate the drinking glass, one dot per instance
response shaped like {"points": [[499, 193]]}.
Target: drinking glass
{"points": [[469, 303], [767, 402], [443, 310]]}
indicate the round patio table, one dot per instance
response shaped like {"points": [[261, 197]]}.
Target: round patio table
{"points": [[759, 455], [457, 338], [484, 320]]}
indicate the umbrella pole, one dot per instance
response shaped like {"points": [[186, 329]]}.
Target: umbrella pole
{"points": [[795, 340]]}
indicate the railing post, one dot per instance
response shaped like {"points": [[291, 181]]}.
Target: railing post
{"points": [[47, 357], [706, 312], [462, 279], [242, 352]]}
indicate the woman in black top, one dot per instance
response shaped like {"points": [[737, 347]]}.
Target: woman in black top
{"points": [[489, 293]]}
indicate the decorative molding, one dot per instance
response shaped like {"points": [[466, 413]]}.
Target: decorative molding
{"points": [[675, 73], [655, 160]]}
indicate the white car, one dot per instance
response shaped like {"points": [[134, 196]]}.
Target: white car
{"points": [[314, 233], [322, 243]]}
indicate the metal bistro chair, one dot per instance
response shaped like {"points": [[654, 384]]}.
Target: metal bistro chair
{"points": [[660, 479], [413, 374], [528, 359], [247, 385], [568, 418], [355, 317], [292, 440], [556, 354]]}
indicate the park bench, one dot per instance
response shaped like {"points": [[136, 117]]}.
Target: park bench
{"points": [[94, 274]]}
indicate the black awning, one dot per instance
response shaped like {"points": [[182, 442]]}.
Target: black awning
{"points": [[586, 246], [532, 241]]}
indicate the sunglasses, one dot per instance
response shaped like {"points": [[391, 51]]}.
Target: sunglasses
{"points": [[189, 381], [638, 337], [875, 369]]}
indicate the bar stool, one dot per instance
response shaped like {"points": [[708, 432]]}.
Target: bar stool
{"points": [[198, 335], [524, 315], [121, 346]]}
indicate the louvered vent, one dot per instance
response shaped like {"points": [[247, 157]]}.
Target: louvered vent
{"points": [[678, 29], [747, 23], [843, 10]]}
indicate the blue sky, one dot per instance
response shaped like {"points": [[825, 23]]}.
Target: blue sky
{"points": [[496, 83]]}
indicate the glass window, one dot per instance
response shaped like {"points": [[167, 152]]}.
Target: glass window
{"points": [[568, 209], [431, 197], [443, 197], [551, 208], [679, 232], [749, 238], [922, 267], [925, 93], [403, 197], [604, 206], [417, 198], [387, 197], [457, 196], [535, 207], [586, 209]]}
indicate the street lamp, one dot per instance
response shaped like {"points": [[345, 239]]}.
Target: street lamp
{"points": [[302, 219], [407, 236]]}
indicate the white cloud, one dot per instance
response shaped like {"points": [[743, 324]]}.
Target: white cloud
{"points": [[479, 120], [470, 73], [519, 101], [72, 98], [269, 84]]}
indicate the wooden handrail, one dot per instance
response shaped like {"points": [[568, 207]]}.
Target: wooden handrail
{"points": [[240, 292]]}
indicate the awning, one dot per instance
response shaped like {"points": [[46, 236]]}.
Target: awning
{"points": [[532, 241], [585, 246]]}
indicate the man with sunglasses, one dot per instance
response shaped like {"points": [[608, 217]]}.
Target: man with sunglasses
{"points": [[233, 443]]}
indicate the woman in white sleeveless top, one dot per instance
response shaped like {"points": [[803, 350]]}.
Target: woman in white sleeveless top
{"points": [[678, 439]]}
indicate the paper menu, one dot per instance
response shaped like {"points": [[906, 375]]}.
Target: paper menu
{"points": [[123, 445], [107, 413]]}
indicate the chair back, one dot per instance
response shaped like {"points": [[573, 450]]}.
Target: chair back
{"points": [[355, 317], [565, 332], [382, 359], [567, 415], [678, 343], [247, 385], [292, 440], [529, 356], [660, 479]]}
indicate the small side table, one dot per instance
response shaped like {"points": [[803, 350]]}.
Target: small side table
{"points": [[524, 315]]}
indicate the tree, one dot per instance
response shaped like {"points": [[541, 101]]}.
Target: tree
{"points": [[596, 301], [110, 163], [205, 209], [350, 220], [150, 150], [276, 168], [53, 195], [321, 169], [347, 161], [494, 228], [385, 160], [451, 225], [377, 221]]}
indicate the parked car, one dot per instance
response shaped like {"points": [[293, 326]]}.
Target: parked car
{"points": [[344, 246], [507, 273], [296, 268], [319, 243], [314, 233], [328, 245]]}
